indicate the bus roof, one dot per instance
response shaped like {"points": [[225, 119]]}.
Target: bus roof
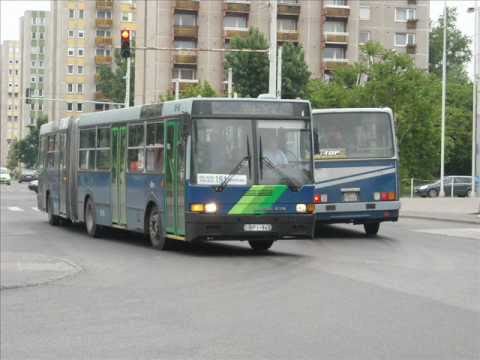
{"points": [[55, 125], [348, 110]]}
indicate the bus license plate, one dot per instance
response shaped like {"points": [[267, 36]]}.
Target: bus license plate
{"points": [[257, 227], [350, 196]]}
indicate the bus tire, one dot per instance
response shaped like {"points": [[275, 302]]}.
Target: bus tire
{"points": [[154, 229], [371, 228], [260, 245], [52, 219], [90, 219]]}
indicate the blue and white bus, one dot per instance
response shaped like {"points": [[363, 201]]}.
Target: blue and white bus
{"points": [[356, 167], [192, 170]]}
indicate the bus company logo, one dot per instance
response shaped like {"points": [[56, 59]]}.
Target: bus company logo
{"points": [[331, 154]]}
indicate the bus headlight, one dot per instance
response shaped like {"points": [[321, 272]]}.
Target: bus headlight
{"points": [[301, 208], [211, 208], [197, 208]]}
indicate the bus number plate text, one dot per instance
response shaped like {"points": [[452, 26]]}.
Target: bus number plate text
{"points": [[257, 227]]}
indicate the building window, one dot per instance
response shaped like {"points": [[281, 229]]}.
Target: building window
{"points": [[42, 36], [185, 44], [104, 33], [81, 51], [79, 107], [335, 26], [81, 14], [71, 34], [364, 13], [70, 88], [71, 52], [80, 88], [80, 69], [34, 63], [34, 79], [40, 79], [40, 64], [336, 2], [404, 39], [34, 35], [287, 24], [104, 14], [235, 22], [364, 37], [184, 73], [40, 92], [103, 52], [69, 106], [40, 107], [334, 53], [71, 13], [404, 14], [69, 69], [81, 34], [185, 19], [127, 16]]}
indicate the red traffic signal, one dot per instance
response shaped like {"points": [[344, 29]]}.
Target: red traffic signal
{"points": [[125, 43]]}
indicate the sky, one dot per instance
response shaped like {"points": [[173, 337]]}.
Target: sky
{"points": [[12, 10]]}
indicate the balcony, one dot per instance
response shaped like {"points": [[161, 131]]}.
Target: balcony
{"points": [[190, 32], [412, 24], [185, 58], [336, 11], [288, 9], [411, 49], [336, 38], [103, 60], [103, 23], [230, 33], [233, 7], [333, 64], [187, 5], [291, 36], [104, 4], [103, 41]]}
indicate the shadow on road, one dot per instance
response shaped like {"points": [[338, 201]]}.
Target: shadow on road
{"points": [[337, 233]]}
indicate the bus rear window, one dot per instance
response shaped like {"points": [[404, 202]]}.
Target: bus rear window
{"points": [[353, 135]]}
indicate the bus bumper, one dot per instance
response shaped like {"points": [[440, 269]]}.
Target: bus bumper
{"points": [[227, 227], [358, 213]]}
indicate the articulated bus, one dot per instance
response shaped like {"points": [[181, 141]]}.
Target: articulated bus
{"points": [[356, 167], [193, 169]]}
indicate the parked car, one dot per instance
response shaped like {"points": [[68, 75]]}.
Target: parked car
{"points": [[27, 175], [33, 185], [462, 186], [5, 176]]}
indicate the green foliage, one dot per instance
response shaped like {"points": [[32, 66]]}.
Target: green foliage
{"points": [[295, 73], [250, 70], [458, 47], [111, 82], [203, 89], [26, 150]]}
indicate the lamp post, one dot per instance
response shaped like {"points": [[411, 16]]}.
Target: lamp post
{"points": [[474, 10], [444, 95]]}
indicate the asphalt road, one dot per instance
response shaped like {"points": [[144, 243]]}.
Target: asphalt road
{"points": [[411, 293]]}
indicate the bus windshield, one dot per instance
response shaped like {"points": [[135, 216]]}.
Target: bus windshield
{"points": [[221, 144], [353, 135]]}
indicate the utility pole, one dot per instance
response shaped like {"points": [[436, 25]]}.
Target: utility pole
{"points": [[272, 79], [444, 95], [229, 82], [279, 73], [127, 83]]}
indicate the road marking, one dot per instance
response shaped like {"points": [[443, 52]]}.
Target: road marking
{"points": [[35, 208], [471, 233], [14, 208]]}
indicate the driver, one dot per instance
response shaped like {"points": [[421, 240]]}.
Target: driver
{"points": [[274, 153]]}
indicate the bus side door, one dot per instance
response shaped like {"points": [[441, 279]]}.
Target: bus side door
{"points": [[62, 176], [118, 190]]}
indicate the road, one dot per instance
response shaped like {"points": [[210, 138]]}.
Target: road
{"points": [[411, 293]]}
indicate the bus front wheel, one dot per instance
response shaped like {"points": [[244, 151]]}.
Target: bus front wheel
{"points": [[155, 229], [260, 245], [90, 219], [372, 228]]}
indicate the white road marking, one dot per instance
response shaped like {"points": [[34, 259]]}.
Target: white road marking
{"points": [[35, 208], [471, 233], [15, 208]]}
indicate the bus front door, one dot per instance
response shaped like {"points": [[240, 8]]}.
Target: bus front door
{"points": [[174, 179], [62, 176], [118, 202]]}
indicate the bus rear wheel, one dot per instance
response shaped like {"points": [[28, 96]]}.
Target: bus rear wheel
{"points": [[260, 245], [52, 219], [154, 229], [372, 228], [90, 219]]}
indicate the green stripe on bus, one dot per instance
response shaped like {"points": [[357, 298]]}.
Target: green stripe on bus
{"points": [[258, 199]]}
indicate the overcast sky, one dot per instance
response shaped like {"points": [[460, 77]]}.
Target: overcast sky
{"points": [[12, 10]]}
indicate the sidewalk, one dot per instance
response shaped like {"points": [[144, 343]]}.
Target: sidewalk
{"points": [[464, 210]]}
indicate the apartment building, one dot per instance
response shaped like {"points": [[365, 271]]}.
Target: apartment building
{"points": [[84, 36], [331, 32], [33, 49], [10, 92]]}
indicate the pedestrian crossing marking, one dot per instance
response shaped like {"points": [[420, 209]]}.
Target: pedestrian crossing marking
{"points": [[471, 233], [15, 208]]}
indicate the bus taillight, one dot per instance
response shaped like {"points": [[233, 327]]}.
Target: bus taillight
{"points": [[318, 199]]}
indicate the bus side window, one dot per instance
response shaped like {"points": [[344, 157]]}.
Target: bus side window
{"points": [[102, 153], [136, 148], [154, 148], [51, 151], [86, 158]]}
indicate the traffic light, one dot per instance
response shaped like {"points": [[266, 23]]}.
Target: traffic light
{"points": [[125, 41]]}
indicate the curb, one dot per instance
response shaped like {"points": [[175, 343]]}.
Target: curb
{"points": [[440, 219]]}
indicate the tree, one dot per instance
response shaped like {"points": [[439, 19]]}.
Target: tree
{"points": [[250, 70], [295, 74], [111, 82], [458, 47], [26, 150], [204, 89]]}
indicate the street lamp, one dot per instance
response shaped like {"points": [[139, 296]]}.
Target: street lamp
{"points": [[444, 96], [474, 10]]}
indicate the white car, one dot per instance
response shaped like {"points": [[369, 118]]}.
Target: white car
{"points": [[5, 176]]}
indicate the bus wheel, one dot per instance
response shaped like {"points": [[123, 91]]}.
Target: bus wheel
{"points": [[260, 245], [154, 229], [372, 228], [90, 219], [52, 219]]}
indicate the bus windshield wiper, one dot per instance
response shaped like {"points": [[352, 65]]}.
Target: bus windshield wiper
{"points": [[293, 185], [235, 170]]}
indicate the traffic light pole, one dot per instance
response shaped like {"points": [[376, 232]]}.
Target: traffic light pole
{"points": [[127, 84]]}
